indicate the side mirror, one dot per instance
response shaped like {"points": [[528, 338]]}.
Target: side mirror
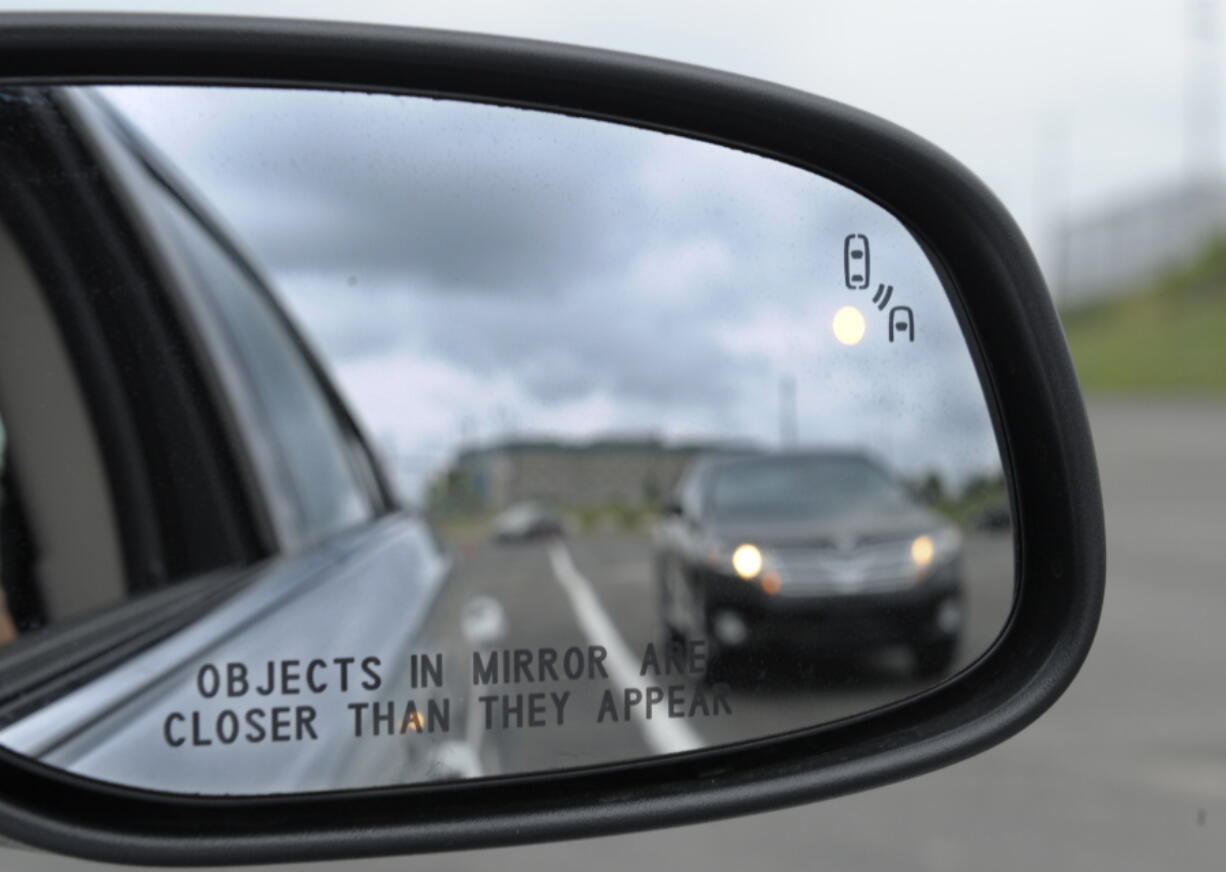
{"points": [[553, 281]]}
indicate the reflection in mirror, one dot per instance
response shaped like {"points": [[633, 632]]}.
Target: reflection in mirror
{"points": [[354, 440]]}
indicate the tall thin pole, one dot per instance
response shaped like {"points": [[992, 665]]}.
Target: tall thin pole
{"points": [[1201, 93], [1052, 184], [787, 411]]}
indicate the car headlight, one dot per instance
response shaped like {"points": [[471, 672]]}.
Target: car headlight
{"points": [[747, 561], [722, 555], [933, 549]]}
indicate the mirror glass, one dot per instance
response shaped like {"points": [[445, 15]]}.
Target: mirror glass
{"points": [[355, 440]]}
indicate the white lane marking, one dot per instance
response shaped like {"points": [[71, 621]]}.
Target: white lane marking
{"points": [[663, 735]]}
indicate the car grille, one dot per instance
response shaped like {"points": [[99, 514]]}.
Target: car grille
{"points": [[869, 566]]}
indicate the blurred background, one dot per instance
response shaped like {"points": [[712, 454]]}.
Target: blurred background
{"points": [[1100, 125]]}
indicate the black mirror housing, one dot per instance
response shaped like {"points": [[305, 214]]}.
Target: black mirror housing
{"points": [[1002, 304]]}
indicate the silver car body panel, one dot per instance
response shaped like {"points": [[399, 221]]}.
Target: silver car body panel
{"points": [[303, 607]]}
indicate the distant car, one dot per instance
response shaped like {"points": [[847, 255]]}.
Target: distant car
{"points": [[524, 522], [825, 552]]}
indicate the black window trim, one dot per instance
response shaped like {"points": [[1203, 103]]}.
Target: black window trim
{"points": [[103, 285], [55, 658], [370, 477], [38, 668]]}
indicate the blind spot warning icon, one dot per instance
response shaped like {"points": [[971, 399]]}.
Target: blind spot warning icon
{"points": [[855, 261], [902, 323], [881, 299]]}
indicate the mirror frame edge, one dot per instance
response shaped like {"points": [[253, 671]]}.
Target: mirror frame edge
{"points": [[994, 284]]}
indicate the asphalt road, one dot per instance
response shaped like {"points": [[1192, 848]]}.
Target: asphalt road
{"points": [[1126, 772], [599, 589]]}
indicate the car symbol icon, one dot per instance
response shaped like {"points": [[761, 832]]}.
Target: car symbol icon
{"points": [[855, 261]]}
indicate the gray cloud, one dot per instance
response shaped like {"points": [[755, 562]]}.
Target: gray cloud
{"points": [[537, 200], [574, 273], [385, 199]]}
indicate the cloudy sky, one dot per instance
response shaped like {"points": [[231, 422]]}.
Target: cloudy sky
{"points": [[1060, 105], [475, 272]]}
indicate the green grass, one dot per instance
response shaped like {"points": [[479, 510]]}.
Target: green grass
{"points": [[1167, 338]]}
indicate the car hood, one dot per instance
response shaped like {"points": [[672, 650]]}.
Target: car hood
{"points": [[842, 531]]}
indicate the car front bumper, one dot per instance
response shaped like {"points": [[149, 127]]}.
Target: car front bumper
{"points": [[741, 613]]}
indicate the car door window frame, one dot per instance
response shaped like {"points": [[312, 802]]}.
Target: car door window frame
{"points": [[144, 169]]}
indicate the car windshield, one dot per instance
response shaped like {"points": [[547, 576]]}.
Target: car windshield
{"points": [[801, 487]]}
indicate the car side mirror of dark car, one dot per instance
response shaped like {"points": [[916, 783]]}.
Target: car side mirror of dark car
{"points": [[556, 283]]}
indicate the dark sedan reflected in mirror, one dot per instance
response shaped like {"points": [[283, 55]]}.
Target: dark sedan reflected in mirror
{"points": [[380, 440]]}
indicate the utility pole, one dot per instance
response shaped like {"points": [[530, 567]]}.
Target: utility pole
{"points": [[468, 431], [1052, 186], [1201, 210], [1201, 94], [787, 412]]}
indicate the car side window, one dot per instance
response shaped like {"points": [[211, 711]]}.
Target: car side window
{"points": [[310, 444]]}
